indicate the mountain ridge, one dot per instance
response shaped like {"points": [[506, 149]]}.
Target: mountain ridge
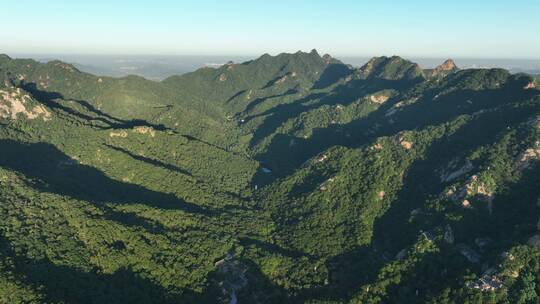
{"points": [[291, 178]]}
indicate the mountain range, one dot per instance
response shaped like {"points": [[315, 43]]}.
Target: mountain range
{"points": [[293, 178]]}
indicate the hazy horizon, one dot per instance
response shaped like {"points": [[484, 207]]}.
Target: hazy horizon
{"points": [[343, 28], [158, 67]]}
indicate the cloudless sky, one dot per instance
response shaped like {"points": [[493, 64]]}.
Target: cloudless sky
{"points": [[434, 28]]}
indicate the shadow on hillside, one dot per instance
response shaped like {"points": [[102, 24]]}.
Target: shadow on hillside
{"points": [[377, 123], [422, 181], [58, 173], [52, 100], [247, 241], [261, 100], [260, 288], [238, 94], [150, 161], [346, 274], [513, 221], [277, 79], [395, 231], [343, 95], [65, 284], [332, 74], [192, 138], [132, 220]]}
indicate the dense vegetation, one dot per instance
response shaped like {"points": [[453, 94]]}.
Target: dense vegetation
{"points": [[292, 178]]}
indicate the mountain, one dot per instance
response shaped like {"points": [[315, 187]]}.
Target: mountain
{"points": [[443, 69], [292, 178]]}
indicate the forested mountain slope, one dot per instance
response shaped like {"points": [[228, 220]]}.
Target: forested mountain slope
{"points": [[292, 178]]}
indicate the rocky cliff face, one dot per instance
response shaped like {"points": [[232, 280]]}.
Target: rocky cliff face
{"points": [[445, 68]]}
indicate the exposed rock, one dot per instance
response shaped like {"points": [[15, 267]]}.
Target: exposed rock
{"points": [[514, 274], [474, 187], [402, 254], [507, 255], [248, 96], [445, 67], [379, 99], [122, 134], [145, 130], [448, 65], [222, 77], [405, 144], [15, 102], [64, 66], [449, 176], [526, 158], [321, 158], [377, 147], [282, 79], [529, 86], [324, 186], [489, 281]]}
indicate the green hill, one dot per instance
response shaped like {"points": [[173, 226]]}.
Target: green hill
{"points": [[292, 178]]}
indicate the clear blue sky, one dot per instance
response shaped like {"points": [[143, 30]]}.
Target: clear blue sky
{"points": [[435, 28]]}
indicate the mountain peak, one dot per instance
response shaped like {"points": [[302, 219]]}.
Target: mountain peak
{"points": [[447, 65], [392, 68], [445, 68], [62, 65]]}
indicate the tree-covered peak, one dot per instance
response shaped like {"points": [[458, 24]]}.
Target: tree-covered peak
{"points": [[4, 57], [390, 68], [63, 65]]}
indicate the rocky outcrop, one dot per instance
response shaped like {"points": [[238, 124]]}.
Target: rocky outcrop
{"points": [[445, 68], [379, 99], [14, 103], [121, 134], [530, 85], [145, 130], [527, 157], [447, 175]]}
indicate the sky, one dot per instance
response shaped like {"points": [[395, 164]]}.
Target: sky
{"points": [[458, 28]]}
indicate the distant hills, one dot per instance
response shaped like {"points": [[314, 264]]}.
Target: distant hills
{"points": [[293, 178], [161, 67]]}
